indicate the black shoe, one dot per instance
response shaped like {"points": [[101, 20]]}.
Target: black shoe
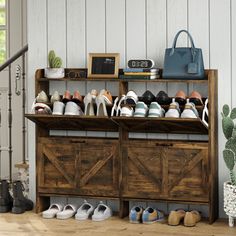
{"points": [[20, 202], [148, 97], [5, 197], [162, 98]]}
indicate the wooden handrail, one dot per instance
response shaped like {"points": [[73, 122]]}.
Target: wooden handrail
{"points": [[14, 57]]}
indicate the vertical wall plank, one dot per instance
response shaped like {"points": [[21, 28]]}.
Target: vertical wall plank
{"points": [[220, 53], [156, 43], [37, 39], [76, 51], [96, 39], [233, 50], [136, 40]]}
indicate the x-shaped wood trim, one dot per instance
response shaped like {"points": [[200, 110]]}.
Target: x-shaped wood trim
{"points": [[51, 157]]}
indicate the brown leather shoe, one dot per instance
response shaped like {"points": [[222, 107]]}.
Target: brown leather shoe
{"points": [[191, 218], [196, 98], [176, 216], [180, 97], [107, 96]]}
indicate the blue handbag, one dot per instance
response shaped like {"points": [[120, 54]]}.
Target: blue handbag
{"points": [[183, 62]]}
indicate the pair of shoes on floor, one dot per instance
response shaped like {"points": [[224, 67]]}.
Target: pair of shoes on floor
{"points": [[100, 213], [189, 219], [71, 108], [18, 203], [154, 110], [86, 210], [189, 111], [147, 216], [102, 99], [60, 211]]}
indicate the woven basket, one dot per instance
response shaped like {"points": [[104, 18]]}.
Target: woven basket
{"points": [[230, 199]]}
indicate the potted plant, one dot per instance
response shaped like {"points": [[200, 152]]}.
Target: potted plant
{"points": [[55, 69], [229, 155]]}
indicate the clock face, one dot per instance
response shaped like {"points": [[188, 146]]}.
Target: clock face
{"points": [[140, 63]]}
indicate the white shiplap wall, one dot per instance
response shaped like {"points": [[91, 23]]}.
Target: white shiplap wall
{"points": [[134, 28]]}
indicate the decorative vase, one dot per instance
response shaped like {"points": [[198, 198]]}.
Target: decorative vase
{"points": [[230, 201], [54, 73]]}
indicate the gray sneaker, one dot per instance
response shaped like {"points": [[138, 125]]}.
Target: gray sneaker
{"points": [[155, 110]]}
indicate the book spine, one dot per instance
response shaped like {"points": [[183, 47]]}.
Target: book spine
{"points": [[139, 77], [140, 73], [141, 70]]}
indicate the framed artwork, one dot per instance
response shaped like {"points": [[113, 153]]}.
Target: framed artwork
{"points": [[103, 65]]}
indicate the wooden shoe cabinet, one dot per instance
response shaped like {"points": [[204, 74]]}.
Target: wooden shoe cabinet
{"points": [[124, 169]]}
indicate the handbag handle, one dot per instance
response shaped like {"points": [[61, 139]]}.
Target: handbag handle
{"points": [[175, 41]]}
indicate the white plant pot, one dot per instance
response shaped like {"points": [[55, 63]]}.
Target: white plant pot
{"points": [[230, 202], [54, 73]]}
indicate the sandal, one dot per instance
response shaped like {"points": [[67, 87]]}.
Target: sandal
{"points": [[175, 217], [191, 218], [52, 210]]}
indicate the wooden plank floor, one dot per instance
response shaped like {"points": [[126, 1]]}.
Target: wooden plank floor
{"points": [[33, 225]]}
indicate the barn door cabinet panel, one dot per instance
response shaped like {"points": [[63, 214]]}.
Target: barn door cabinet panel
{"points": [[78, 166], [166, 170], [176, 171]]}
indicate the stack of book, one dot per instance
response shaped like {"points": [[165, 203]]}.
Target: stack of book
{"points": [[141, 73]]}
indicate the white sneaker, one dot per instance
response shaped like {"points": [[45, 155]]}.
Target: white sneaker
{"points": [[85, 211], [190, 110], [140, 109], [155, 110], [102, 212], [174, 111]]}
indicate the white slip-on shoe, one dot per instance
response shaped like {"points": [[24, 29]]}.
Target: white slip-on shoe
{"points": [[52, 210], [140, 109], [55, 97], [42, 97], [155, 110], [102, 212], [58, 108], [89, 105], [85, 211], [190, 110], [68, 211], [73, 109], [174, 111]]}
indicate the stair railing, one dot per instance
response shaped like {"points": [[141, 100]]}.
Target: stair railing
{"points": [[19, 74]]}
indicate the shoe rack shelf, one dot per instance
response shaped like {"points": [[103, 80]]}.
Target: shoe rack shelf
{"points": [[175, 171]]}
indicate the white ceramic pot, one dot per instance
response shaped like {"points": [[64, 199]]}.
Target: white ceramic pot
{"points": [[230, 201], [54, 73]]}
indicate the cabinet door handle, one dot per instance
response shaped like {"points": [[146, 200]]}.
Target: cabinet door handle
{"points": [[77, 141], [164, 144]]}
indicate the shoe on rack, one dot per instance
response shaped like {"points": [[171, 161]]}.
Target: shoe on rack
{"points": [[42, 97], [205, 113], [52, 211], [114, 110], [191, 218], [68, 211], [131, 98], [85, 211], [77, 98], [174, 110], [155, 110], [73, 109], [147, 97], [55, 97], [58, 108], [101, 106], [196, 98], [66, 97], [151, 215], [102, 212], [20, 202], [190, 110], [107, 96], [41, 108], [127, 111], [89, 105], [94, 93], [162, 98], [6, 200], [135, 215], [180, 97], [175, 217], [141, 109]]}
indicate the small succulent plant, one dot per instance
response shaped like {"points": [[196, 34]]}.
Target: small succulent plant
{"points": [[229, 130], [53, 60]]}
